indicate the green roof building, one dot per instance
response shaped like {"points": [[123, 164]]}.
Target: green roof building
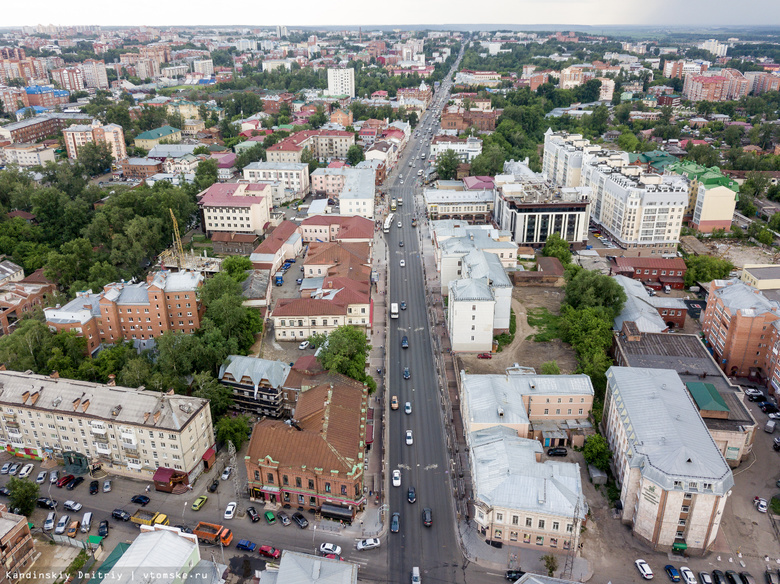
{"points": [[712, 196], [654, 161], [152, 138], [710, 403]]}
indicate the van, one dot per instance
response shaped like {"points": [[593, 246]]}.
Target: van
{"points": [[86, 522], [770, 426], [667, 289], [416, 575]]}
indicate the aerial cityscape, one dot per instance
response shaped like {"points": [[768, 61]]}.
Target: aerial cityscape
{"points": [[324, 302]]}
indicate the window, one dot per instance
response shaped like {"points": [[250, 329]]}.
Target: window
{"points": [[311, 484], [555, 526], [546, 411], [327, 487], [500, 517], [541, 524], [529, 522], [515, 520], [270, 478], [539, 540], [285, 481]]}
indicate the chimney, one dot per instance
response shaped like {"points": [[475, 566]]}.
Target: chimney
{"points": [[146, 416], [54, 375], [112, 379]]}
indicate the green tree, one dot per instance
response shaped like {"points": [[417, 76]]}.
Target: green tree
{"points": [[96, 157], [490, 162], [220, 396], [201, 150], [628, 141], [248, 155], [550, 564], [557, 247], [205, 174], [733, 136], [550, 368], [587, 289], [236, 267], [345, 350], [596, 452], [308, 158], [71, 263], [318, 118], [706, 269], [703, 154], [23, 495], [447, 165], [234, 429], [355, 155]]}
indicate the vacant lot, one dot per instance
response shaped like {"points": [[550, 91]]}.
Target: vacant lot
{"points": [[524, 350]]}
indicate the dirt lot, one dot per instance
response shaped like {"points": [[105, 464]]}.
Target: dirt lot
{"points": [[523, 350], [740, 254]]}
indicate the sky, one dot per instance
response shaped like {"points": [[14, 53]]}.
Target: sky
{"points": [[397, 12]]}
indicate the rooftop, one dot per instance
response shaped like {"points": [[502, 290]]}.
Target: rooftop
{"points": [[256, 371], [298, 568], [164, 550], [157, 133]]}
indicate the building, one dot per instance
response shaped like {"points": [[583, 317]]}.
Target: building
{"points": [[717, 48], [337, 228], [39, 127], [316, 462], [712, 196], [764, 277], [25, 155], [204, 67], [299, 567], [167, 301], [652, 272], [563, 155], [520, 500], [354, 188], [68, 78], [716, 85], [166, 552], [78, 135], [236, 207], [485, 78], [650, 314], [673, 478], [283, 243], [467, 149], [17, 546], [10, 272], [141, 168], [94, 74], [257, 385], [152, 138], [682, 68], [455, 119], [17, 299], [48, 97], [341, 117], [130, 432], [293, 176], [324, 145], [13, 97], [341, 82], [473, 206], [230, 243]]}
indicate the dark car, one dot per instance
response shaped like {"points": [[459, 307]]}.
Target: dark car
{"points": [[427, 517], [513, 575], [94, 487], [403, 305], [558, 451], [5, 491], [103, 528], [411, 495], [142, 500], [732, 577], [46, 503], [253, 514], [302, 522], [120, 514], [400, 244], [407, 374], [769, 408], [65, 480], [75, 483], [747, 578], [183, 528], [395, 523], [756, 397], [213, 486], [672, 572], [404, 343], [718, 577]]}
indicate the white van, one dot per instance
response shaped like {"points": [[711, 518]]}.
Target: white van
{"points": [[416, 575], [86, 523], [770, 426]]}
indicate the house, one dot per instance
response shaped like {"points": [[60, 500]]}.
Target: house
{"points": [[712, 196], [140, 168], [236, 207], [150, 139], [257, 384], [10, 272], [472, 206], [17, 300], [293, 176], [330, 227], [283, 243], [652, 272], [231, 243], [17, 546], [651, 314], [467, 149], [323, 145]]}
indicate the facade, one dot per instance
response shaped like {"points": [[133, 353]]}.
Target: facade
{"points": [[17, 546], [341, 82], [294, 176], [152, 138], [712, 196], [13, 97], [203, 66], [26, 155], [467, 149], [39, 127], [674, 480], [232, 207], [141, 168], [78, 135], [716, 85], [337, 228], [95, 74], [17, 299], [470, 313], [354, 188], [472, 206], [131, 432], [652, 272], [231, 243], [324, 145], [761, 276], [257, 384], [45, 97], [68, 78]]}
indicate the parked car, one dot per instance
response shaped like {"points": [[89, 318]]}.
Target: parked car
{"points": [[214, 486], [269, 552], [226, 473], [330, 548], [644, 569], [51, 520], [770, 576], [26, 470], [485, 356], [94, 487], [14, 468], [73, 529], [120, 514], [72, 506], [75, 483], [41, 478], [705, 578], [395, 523], [230, 510], [427, 517], [103, 528], [107, 486], [183, 529], [6, 468], [302, 522], [747, 578], [283, 518], [54, 476], [732, 577], [142, 500], [760, 504], [46, 503], [246, 545], [687, 575], [557, 451], [62, 525], [368, 544], [303, 345], [65, 480], [253, 514], [718, 577], [199, 502], [270, 518], [513, 575], [767, 408], [754, 394], [672, 572]]}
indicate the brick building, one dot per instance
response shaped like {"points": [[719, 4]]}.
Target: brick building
{"points": [[68, 78], [78, 135], [229, 243], [13, 97], [324, 145], [455, 119], [17, 546], [18, 299], [141, 168], [653, 272], [46, 96], [39, 127]]}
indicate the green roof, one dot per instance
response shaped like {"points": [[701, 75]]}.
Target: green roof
{"points": [[707, 397], [709, 177], [157, 133], [108, 565], [656, 159]]}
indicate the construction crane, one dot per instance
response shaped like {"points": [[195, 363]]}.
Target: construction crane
{"points": [[177, 254]]}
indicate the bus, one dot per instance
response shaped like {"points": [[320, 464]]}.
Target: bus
{"points": [[392, 204], [388, 223], [394, 310]]}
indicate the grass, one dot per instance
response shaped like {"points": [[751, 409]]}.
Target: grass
{"points": [[546, 323], [774, 505], [505, 339]]}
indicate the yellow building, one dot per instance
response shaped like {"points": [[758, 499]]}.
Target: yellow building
{"points": [[152, 138]]}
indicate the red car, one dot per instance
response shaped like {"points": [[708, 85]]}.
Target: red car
{"points": [[269, 552], [65, 480], [485, 356]]}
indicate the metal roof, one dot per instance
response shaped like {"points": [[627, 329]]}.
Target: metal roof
{"points": [[638, 308], [273, 373], [298, 568], [470, 290], [156, 549]]}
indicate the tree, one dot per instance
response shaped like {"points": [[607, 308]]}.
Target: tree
{"points": [[23, 495], [557, 247], [703, 154], [318, 118], [550, 368], [490, 162], [596, 452], [234, 429], [308, 158], [355, 155], [550, 564], [220, 396], [236, 267], [205, 174], [447, 165], [587, 289], [706, 269], [201, 150], [628, 141], [345, 350]]}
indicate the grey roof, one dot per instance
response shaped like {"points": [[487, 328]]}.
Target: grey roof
{"points": [[276, 166], [115, 404], [8, 269], [437, 196], [360, 183], [738, 296], [260, 371], [638, 308], [130, 294], [470, 290], [84, 301], [763, 272], [171, 150], [142, 161], [482, 264], [667, 438], [256, 284], [184, 281], [298, 568], [156, 549], [43, 117], [529, 578], [473, 239], [207, 572], [506, 474]]}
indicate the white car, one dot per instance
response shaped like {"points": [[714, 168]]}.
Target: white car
{"points": [[644, 569], [62, 524], [408, 408], [330, 548], [751, 391], [230, 510], [26, 470], [6, 468], [705, 578], [396, 478], [41, 478], [409, 440], [303, 345], [72, 506], [760, 504], [403, 263], [227, 471], [54, 476], [400, 224], [51, 519], [368, 544], [14, 468], [687, 575]]}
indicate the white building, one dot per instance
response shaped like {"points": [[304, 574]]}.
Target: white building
{"points": [[359, 192], [470, 312], [204, 66], [341, 82], [28, 154], [674, 480], [294, 176], [95, 74], [239, 208], [715, 47], [466, 149]]}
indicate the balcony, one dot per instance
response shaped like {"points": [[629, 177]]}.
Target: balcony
{"points": [[14, 433], [102, 448], [127, 437], [100, 430], [129, 448]]}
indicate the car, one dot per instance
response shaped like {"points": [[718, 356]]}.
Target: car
{"points": [[770, 576], [396, 478], [72, 506], [411, 495], [199, 502], [409, 439], [403, 263], [769, 409], [283, 518], [26, 470], [330, 548], [246, 545], [75, 483], [73, 529], [705, 578], [408, 408], [400, 243], [214, 486], [557, 451], [404, 342], [732, 577], [302, 522], [760, 504], [141, 500], [402, 182], [6, 468], [41, 478], [718, 577], [368, 544], [226, 473], [303, 345], [485, 356], [399, 224], [407, 373], [253, 514], [754, 394], [513, 575], [672, 572], [230, 510], [395, 523], [51, 520], [747, 578], [270, 518], [14, 468], [94, 487], [54, 476], [65, 480], [103, 528], [62, 525], [774, 416], [394, 402], [687, 575], [269, 552], [299, 281], [403, 305], [427, 517], [183, 528], [120, 514], [46, 503], [107, 486], [644, 569]]}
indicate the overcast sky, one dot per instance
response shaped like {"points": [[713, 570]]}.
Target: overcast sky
{"points": [[400, 12]]}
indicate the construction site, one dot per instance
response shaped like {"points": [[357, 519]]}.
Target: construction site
{"points": [[738, 253], [175, 259]]}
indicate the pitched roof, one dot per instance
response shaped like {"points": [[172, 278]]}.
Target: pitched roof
{"points": [[308, 307], [232, 194], [706, 396], [274, 241], [258, 371], [157, 133], [652, 263]]}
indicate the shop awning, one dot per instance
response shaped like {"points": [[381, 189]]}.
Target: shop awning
{"points": [[678, 545], [208, 455]]}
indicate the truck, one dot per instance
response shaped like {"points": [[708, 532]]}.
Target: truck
{"points": [[213, 533], [400, 201], [279, 278], [394, 310], [144, 517]]}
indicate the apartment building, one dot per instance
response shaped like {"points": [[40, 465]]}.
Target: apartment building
{"points": [[13, 97], [563, 157], [473, 206], [673, 478], [203, 66], [354, 188], [130, 432], [95, 73], [78, 135], [257, 385], [341, 82], [150, 139], [46, 96], [712, 196], [466, 149], [68, 78], [17, 546], [337, 228], [17, 300], [39, 127], [167, 301], [141, 168], [239, 207], [715, 47], [32, 70], [716, 85], [317, 461], [324, 145], [26, 155]]}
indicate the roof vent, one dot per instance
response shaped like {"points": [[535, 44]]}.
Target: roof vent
{"points": [[56, 401], [500, 412], [689, 461], [116, 409], [186, 408]]}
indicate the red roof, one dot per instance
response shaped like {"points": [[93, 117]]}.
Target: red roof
{"points": [[163, 475], [231, 236], [651, 263], [231, 194], [208, 455], [308, 307], [277, 237]]}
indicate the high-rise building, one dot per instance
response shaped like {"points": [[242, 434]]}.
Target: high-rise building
{"points": [[715, 47], [95, 74], [281, 31], [205, 67], [69, 78], [78, 135], [341, 82]]}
